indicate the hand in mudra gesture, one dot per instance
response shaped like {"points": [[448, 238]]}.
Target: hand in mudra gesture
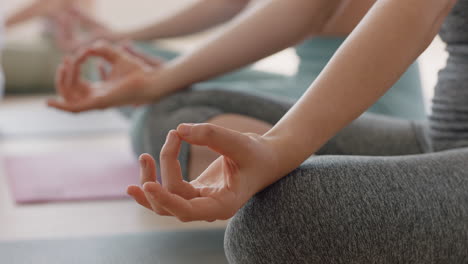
{"points": [[129, 80], [221, 190]]}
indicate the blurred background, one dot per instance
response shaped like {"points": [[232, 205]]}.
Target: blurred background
{"points": [[29, 221], [29, 213]]}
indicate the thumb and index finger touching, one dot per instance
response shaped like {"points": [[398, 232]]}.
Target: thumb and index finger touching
{"points": [[69, 74], [226, 142]]}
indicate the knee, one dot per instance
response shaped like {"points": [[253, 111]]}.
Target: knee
{"points": [[251, 238], [341, 210], [285, 223], [268, 228]]}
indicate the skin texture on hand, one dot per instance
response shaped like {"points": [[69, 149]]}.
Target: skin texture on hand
{"points": [[221, 190], [126, 83]]}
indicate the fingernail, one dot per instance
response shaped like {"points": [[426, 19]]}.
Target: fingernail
{"points": [[185, 130], [143, 163]]}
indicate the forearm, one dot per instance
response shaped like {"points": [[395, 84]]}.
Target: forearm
{"points": [[44, 8], [24, 14], [375, 55], [257, 33], [200, 16]]}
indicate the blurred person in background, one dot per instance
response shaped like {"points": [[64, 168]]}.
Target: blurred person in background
{"points": [[133, 81], [314, 50], [30, 65]]}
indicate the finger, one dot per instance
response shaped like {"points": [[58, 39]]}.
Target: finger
{"points": [[64, 32], [171, 172], [64, 29], [139, 196], [59, 34], [73, 90], [147, 169], [224, 141], [114, 95], [86, 105], [75, 66], [152, 199], [100, 49], [196, 209], [59, 79], [67, 81], [102, 72], [146, 58], [69, 89]]}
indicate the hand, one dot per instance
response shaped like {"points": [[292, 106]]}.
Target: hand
{"points": [[128, 81], [65, 32], [76, 28], [247, 165], [50, 7], [91, 30], [39, 8]]}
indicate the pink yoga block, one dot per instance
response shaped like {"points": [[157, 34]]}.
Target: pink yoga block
{"points": [[78, 175]]}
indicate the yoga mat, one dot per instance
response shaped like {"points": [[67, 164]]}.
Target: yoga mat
{"points": [[74, 175], [181, 247], [24, 120]]}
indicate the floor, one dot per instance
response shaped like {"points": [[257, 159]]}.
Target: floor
{"points": [[72, 219], [79, 219]]}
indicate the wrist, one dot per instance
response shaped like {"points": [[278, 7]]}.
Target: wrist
{"points": [[290, 149], [137, 35], [161, 82], [285, 162]]}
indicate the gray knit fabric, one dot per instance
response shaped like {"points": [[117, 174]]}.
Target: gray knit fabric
{"points": [[449, 118], [355, 209], [379, 135]]}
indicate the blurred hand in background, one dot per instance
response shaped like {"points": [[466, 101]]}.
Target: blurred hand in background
{"points": [[63, 26], [126, 81]]}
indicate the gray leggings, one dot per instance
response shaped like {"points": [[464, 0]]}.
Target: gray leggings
{"points": [[404, 205], [358, 209]]}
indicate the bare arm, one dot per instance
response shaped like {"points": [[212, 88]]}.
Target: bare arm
{"points": [[376, 54], [346, 17], [41, 8], [200, 16], [26, 13], [257, 33]]}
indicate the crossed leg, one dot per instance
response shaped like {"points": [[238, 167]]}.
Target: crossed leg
{"points": [[357, 209]]}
